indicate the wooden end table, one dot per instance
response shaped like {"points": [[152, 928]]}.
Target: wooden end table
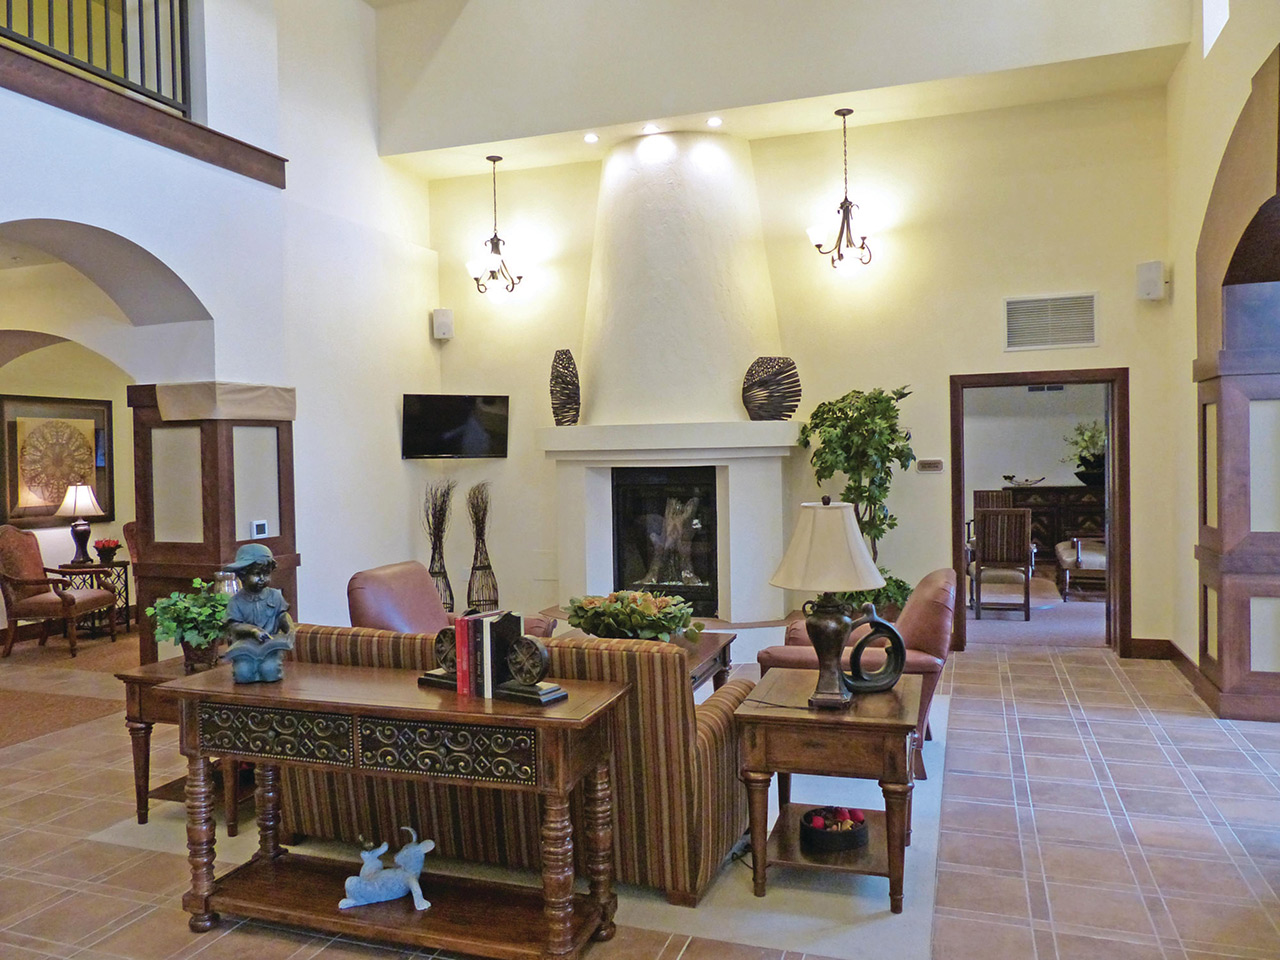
{"points": [[116, 573], [872, 739], [143, 709], [379, 722]]}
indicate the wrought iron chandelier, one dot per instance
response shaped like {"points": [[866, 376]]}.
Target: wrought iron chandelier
{"points": [[491, 268], [844, 239]]}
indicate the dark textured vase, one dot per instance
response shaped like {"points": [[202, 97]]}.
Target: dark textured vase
{"points": [[107, 555], [1092, 472], [566, 395]]}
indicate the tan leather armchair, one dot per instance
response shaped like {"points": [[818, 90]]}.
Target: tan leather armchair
{"points": [[33, 591], [402, 597], [925, 625]]}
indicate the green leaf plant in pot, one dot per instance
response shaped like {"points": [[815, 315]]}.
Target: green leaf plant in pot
{"points": [[634, 614], [1088, 443], [860, 436], [196, 620]]}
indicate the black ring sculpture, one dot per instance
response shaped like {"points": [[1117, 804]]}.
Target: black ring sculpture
{"points": [[858, 680]]}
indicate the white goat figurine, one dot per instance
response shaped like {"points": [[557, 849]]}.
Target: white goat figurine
{"points": [[377, 882]]}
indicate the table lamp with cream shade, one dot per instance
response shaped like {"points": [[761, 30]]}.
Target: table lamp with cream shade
{"points": [[827, 555], [80, 503]]}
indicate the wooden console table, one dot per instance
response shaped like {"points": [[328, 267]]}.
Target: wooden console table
{"points": [[381, 723], [872, 738]]}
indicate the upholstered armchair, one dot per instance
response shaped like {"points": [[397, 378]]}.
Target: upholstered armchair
{"points": [[33, 591], [678, 807], [925, 625], [402, 597]]}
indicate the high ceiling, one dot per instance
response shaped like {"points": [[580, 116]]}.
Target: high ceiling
{"points": [[1139, 70]]}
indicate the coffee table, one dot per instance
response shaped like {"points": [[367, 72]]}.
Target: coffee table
{"points": [[381, 723], [871, 739]]}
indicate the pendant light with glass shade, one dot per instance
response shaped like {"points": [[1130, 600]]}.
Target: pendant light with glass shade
{"points": [[844, 239], [491, 268]]}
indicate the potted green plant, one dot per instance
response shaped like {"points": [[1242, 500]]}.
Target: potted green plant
{"points": [[860, 436], [1088, 443], [634, 613], [196, 620]]}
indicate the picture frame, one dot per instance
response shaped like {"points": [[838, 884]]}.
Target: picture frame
{"points": [[50, 442]]}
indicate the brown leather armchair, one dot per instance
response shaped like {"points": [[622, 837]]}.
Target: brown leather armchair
{"points": [[402, 597], [925, 625], [33, 591]]}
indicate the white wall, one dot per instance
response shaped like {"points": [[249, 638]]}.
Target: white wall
{"points": [[473, 71], [1009, 430], [358, 286]]}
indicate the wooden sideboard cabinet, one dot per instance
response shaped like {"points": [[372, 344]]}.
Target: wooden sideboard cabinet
{"points": [[1060, 513]]}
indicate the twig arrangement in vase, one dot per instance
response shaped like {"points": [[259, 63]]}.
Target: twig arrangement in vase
{"points": [[482, 589], [436, 503]]}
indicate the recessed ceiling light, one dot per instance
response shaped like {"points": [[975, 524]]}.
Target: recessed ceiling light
{"points": [[714, 121], [591, 138], [650, 128]]}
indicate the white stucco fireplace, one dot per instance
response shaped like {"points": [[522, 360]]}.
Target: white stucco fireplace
{"points": [[747, 457]]}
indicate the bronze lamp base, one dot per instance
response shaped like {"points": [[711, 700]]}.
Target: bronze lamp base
{"points": [[829, 623]]}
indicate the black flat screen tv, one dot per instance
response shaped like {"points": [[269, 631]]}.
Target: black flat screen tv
{"points": [[451, 425]]}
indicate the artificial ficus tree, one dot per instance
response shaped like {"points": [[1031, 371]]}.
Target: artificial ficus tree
{"points": [[859, 435]]}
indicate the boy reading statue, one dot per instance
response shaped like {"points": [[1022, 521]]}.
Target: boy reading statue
{"points": [[258, 620]]}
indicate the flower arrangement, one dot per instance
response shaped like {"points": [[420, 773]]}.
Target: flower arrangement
{"points": [[196, 619], [1088, 443], [106, 544], [634, 613]]}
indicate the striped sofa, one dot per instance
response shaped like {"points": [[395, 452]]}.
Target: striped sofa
{"points": [[678, 805]]}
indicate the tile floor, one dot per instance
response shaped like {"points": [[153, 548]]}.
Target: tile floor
{"points": [[64, 894], [1094, 808]]}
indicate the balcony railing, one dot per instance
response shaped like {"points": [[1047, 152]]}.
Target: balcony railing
{"points": [[140, 45]]}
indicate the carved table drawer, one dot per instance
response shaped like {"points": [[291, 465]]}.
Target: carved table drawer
{"points": [[497, 754], [277, 734]]}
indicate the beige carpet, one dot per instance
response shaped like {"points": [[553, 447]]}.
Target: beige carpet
{"points": [[26, 714], [97, 655]]}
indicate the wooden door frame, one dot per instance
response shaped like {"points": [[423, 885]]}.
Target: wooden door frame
{"points": [[1119, 580]]}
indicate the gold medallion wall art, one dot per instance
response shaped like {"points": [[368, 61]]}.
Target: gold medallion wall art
{"points": [[51, 443]]}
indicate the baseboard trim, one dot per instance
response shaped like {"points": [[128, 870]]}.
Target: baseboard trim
{"points": [[1153, 648]]}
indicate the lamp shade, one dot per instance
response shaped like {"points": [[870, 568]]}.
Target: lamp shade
{"points": [[827, 553], [79, 502]]}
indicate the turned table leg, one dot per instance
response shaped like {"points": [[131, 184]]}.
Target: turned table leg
{"points": [[897, 798], [758, 805], [140, 737], [599, 838], [231, 794], [200, 839], [266, 799], [557, 874]]}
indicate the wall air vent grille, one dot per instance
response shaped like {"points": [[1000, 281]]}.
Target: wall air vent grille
{"points": [[1036, 323]]}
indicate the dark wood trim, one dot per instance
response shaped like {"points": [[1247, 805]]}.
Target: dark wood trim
{"points": [[67, 91], [1153, 648], [1119, 545]]}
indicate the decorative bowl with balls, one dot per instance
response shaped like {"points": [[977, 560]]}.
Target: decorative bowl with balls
{"points": [[829, 829]]}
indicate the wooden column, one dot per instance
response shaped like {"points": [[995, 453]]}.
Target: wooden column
{"points": [[165, 565], [1238, 375]]}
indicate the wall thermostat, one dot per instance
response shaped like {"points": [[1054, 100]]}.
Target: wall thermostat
{"points": [[257, 529], [442, 323]]}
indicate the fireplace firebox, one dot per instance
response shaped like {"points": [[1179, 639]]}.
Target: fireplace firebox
{"points": [[664, 533]]}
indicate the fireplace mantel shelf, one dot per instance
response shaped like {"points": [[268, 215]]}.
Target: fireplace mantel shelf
{"points": [[740, 438]]}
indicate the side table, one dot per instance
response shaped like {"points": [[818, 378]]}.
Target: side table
{"points": [[381, 723], [83, 575], [143, 708], [872, 739]]}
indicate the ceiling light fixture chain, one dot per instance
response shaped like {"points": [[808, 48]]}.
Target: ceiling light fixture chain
{"points": [[492, 267], [845, 236]]}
